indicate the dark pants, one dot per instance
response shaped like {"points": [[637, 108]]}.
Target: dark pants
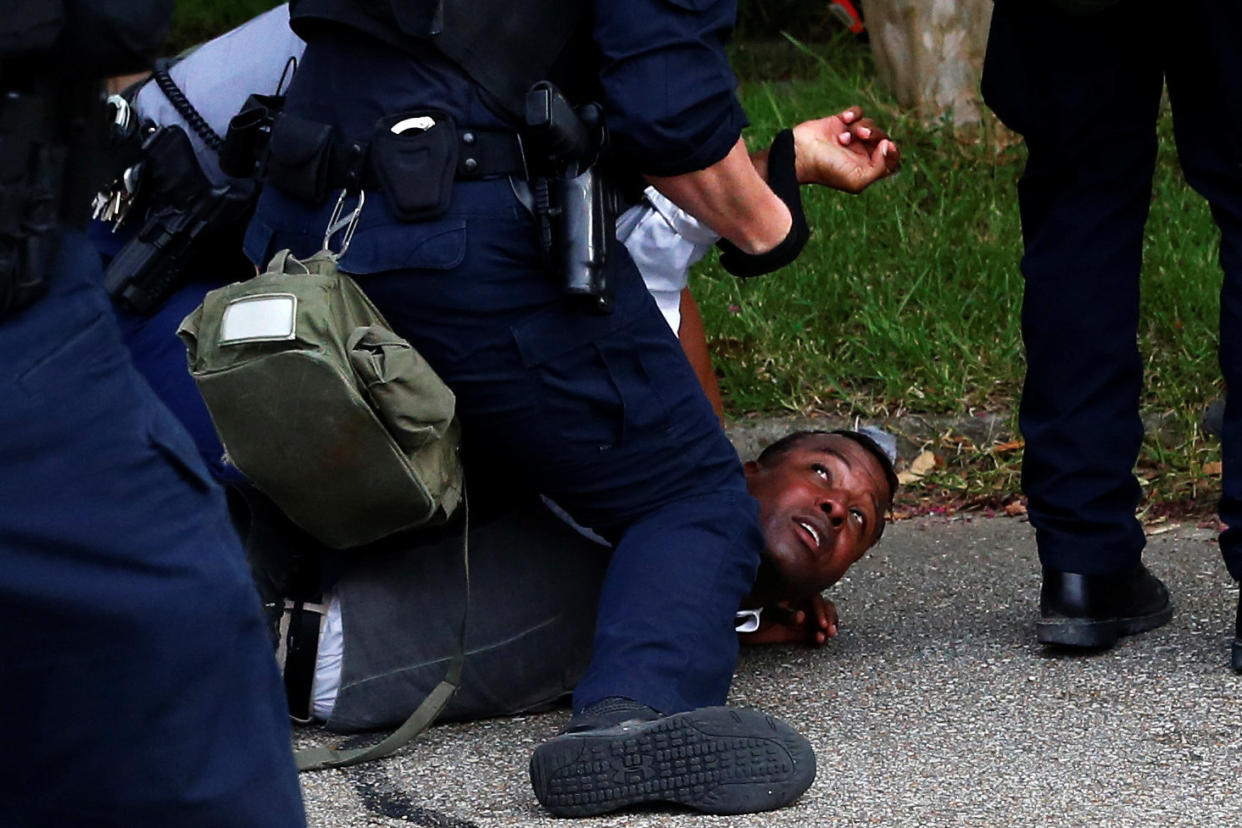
{"points": [[137, 686], [159, 355], [1085, 92], [601, 413]]}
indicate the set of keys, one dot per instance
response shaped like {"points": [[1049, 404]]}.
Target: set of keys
{"points": [[112, 204]]}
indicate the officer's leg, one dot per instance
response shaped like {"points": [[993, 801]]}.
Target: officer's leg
{"points": [[604, 415], [601, 413], [1089, 126], [1204, 66], [139, 689]]}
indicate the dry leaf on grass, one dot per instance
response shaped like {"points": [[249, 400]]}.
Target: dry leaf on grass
{"points": [[1015, 509], [1213, 469], [919, 466], [1012, 445]]}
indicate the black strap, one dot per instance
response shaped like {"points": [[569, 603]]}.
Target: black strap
{"points": [[307, 159], [783, 179], [301, 648], [480, 153]]}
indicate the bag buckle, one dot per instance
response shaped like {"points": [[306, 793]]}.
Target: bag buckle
{"points": [[349, 224]]}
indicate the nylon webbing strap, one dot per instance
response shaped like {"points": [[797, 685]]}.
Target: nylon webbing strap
{"points": [[317, 758], [301, 645]]}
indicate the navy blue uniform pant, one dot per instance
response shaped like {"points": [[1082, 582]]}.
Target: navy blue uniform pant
{"points": [[601, 413], [159, 355], [1084, 91], [138, 686]]}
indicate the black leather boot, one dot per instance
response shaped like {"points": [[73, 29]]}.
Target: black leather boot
{"points": [[1092, 611]]}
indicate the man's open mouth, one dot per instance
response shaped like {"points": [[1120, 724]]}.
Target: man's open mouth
{"points": [[806, 526]]}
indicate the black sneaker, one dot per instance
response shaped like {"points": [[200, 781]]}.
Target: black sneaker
{"points": [[718, 760]]}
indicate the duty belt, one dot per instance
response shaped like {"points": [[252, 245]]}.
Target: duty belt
{"points": [[308, 160]]}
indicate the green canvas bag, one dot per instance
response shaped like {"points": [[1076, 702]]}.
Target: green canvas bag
{"points": [[327, 411]]}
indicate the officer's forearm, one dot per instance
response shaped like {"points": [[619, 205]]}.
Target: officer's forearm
{"points": [[731, 198]]}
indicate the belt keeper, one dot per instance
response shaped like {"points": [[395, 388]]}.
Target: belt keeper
{"points": [[355, 164]]}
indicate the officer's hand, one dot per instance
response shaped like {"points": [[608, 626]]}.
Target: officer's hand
{"points": [[846, 151], [812, 622]]}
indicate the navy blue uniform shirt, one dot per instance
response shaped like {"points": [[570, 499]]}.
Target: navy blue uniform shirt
{"points": [[667, 89]]}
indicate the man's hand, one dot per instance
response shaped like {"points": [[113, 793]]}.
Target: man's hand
{"points": [[845, 151], [812, 622]]}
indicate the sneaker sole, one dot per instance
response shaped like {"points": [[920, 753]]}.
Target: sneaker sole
{"points": [[1097, 633], [716, 760]]}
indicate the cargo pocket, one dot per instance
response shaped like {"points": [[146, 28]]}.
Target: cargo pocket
{"points": [[591, 388]]}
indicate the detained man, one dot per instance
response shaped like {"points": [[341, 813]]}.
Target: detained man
{"points": [[391, 618]]}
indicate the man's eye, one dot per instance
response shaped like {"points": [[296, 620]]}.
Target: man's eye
{"points": [[859, 517], [821, 470]]}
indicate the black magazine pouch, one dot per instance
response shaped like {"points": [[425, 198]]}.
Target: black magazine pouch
{"points": [[414, 155], [299, 158]]}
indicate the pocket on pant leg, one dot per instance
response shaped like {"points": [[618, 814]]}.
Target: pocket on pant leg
{"points": [[588, 389], [580, 403]]}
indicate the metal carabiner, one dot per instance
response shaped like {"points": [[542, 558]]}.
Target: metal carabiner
{"points": [[336, 223]]}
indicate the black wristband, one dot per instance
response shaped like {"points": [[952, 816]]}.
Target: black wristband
{"points": [[783, 179]]}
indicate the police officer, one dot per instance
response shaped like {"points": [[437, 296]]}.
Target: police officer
{"points": [[601, 412], [138, 687], [1090, 128]]}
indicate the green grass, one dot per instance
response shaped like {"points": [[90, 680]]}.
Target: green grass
{"points": [[197, 20], [907, 297]]}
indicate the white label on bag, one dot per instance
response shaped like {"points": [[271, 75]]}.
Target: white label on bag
{"points": [[267, 316]]}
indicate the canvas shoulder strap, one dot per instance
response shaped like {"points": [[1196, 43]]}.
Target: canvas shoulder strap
{"points": [[424, 715]]}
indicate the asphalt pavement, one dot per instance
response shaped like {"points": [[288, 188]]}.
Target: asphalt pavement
{"points": [[933, 707]]}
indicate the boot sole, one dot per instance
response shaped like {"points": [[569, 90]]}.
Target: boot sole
{"points": [[716, 760], [1097, 633]]}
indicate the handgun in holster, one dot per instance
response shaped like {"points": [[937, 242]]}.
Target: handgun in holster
{"points": [[186, 222], [575, 206]]}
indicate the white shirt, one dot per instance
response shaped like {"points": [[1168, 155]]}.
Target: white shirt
{"points": [[664, 241]]}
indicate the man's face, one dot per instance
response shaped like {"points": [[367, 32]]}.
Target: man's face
{"points": [[821, 506]]}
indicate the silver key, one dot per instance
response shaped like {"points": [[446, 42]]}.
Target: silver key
{"points": [[97, 206]]}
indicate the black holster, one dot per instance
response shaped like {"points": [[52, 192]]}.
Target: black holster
{"points": [[186, 226], [584, 229], [574, 202]]}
